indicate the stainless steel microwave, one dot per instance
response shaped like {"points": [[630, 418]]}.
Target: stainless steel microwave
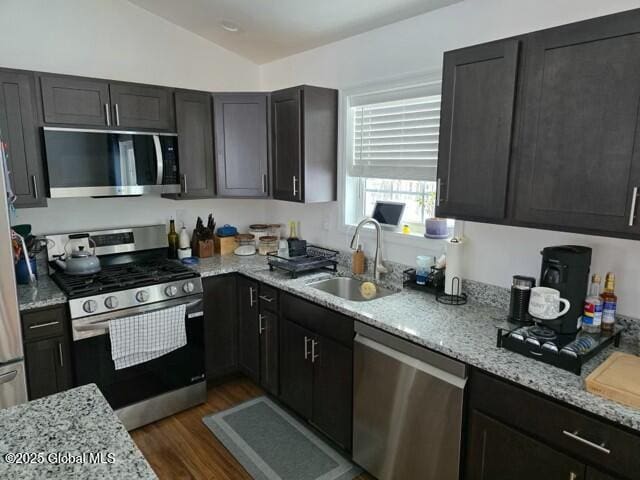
{"points": [[104, 163]]}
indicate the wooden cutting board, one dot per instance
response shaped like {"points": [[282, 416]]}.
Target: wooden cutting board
{"points": [[618, 378]]}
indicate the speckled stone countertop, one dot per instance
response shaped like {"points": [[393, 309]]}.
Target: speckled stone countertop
{"points": [[43, 293], [66, 426], [467, 333]]}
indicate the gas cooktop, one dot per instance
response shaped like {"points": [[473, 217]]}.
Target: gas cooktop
{"points": [[123, 276]]}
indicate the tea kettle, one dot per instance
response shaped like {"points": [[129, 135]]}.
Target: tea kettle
{"points": [[81, 261]]}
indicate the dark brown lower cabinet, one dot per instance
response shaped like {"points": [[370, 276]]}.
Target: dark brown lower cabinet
{"points": [[220, 326], [593, 474], [296, 371], [268, 331], [248, 328], [499, 452], [48, 364]]}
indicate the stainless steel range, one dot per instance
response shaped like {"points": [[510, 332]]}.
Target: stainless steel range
{"points": [[135, 277]]}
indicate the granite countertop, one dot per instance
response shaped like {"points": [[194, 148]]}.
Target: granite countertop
{"points": [[467, 333], [62, 430], [43, 293]]}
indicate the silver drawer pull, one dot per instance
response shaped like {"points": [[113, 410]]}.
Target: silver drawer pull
{"points": [[313, 351], [117, 114], [60, 354], [306, 347], [632, 213], [260, 326], [7, 377], [34, 181], [295, 190], [264, 183], [577, 437], [107, 114], [266, 299], [42, 325]]}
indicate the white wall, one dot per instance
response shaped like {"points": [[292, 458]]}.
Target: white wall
{"points": [[494, 253], [115, 39]]}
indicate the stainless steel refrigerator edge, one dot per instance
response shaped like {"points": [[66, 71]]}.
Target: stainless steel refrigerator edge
{"points": [[408, 407], [13, 389]]}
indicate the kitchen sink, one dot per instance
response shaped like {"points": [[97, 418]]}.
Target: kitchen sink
{"points": [[348, 288]]}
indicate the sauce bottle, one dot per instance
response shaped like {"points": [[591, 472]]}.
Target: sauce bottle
{"points": [[609, 303], [592, 316]]}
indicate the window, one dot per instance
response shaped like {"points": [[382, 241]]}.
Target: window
{"points": [[391, 149]]}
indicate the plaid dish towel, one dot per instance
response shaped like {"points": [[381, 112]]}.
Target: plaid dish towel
{"points": [[140, 338]]}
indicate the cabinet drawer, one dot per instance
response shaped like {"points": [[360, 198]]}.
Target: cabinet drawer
{"points": [[268, 298], [586, 438], [318, 319], [43, 323]]}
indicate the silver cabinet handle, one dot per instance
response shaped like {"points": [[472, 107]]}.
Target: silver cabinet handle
{"points": [[42, 325], [266, 299], [295, 191], [438, 193], [252, 300], [573, 476], [575, 436], [117, 110], [184, 183], [35, 186], [260, 326], [306, 347], [7, 377], [632, 213], [60, 354], [313, 351], [264, 183], [107, 114], [159, 160]]}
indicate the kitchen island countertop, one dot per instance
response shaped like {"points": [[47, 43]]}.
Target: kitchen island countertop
{"points": [[73, 434]]}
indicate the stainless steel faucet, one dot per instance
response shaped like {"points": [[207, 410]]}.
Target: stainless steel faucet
{"points": [[378, 266]]}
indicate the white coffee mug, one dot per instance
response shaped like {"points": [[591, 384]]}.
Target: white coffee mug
{"points": [[544, 303]]}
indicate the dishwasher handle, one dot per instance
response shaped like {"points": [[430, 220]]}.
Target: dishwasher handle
{"points": [[450, 378]]}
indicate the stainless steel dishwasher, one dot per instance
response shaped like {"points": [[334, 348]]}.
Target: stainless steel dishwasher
{"points": [[407, 414]]}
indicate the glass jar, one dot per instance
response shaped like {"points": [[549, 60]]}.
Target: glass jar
{"points": [[258, 230], [267, 244]]}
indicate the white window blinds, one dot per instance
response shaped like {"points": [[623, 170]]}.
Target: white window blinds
{"points": [[396, 139]]}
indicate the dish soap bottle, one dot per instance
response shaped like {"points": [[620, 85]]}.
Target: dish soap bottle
{"points": [[592, 316], [609, 303], [172, 238], [357, 261]]}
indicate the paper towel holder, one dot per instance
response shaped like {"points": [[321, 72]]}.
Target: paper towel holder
{"points": [[455, 298]]}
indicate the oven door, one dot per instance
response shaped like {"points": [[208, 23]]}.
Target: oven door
{"points": [[179, 368], [95, 163]]}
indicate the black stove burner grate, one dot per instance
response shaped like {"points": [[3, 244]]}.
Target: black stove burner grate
{"points": [[120, 277]]}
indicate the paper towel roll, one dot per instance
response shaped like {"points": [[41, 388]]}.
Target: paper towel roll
{"points": [[454, 252]]}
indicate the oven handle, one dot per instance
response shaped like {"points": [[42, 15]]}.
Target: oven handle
{"points": [[100, 323]]}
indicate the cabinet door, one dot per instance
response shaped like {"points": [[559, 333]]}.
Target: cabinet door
{"points": [[593, 474], [241, 144], [48, 367], [269, 351], [249, 328], [476, 126], [286, 127], [296, 369], [141, 106], [195, 144], [332, 389], [580, 163], [220, 325], [75, 101], [19, 133], [498, 452]]}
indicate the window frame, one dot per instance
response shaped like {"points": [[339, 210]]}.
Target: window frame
{"points": [[346, 221]]}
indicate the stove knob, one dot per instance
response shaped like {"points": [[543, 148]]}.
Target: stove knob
{"points": [[90, 306], [111, 302], [171, 290], [142, 296], [188, 287]]}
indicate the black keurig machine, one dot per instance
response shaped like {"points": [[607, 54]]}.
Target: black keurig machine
{"points": [[566, 268]]}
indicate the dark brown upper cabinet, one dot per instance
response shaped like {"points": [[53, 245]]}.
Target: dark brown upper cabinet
{"points": [[579, 167], [142, 106], [476, 129], [18, 131], [241, 142], [194, 124], [304, 136], [75, 101], [98, 103]]}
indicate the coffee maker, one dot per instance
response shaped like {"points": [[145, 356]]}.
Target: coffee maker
{"points": [[566, 268]]}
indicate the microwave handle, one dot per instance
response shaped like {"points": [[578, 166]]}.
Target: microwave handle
{"points": [[159, 160]]}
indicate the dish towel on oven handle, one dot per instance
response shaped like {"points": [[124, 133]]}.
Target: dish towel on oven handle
{"points": [[140, 338]]}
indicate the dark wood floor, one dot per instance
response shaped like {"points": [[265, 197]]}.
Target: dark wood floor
{"points": [[182, 447]]}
